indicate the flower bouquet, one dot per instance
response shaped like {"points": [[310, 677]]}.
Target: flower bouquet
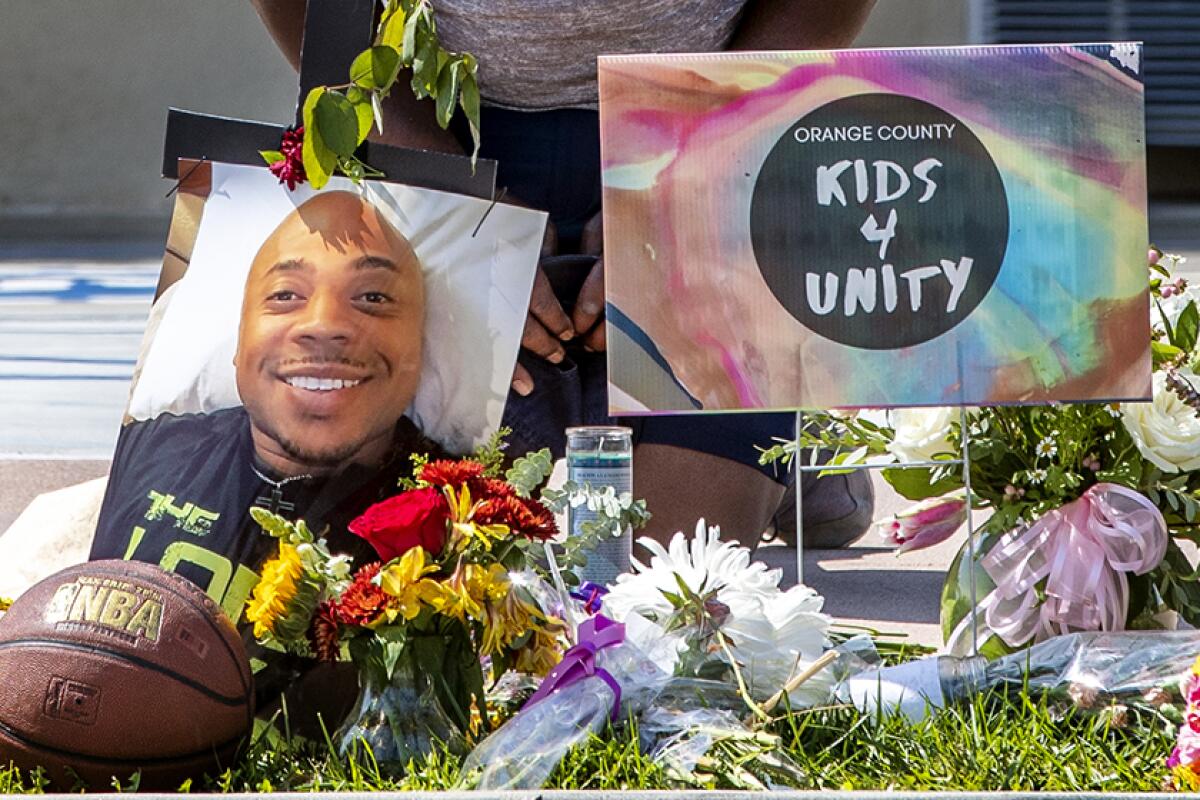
{"points": [[688, 648], [1184, 761], [446, 594], [1088, 502]]}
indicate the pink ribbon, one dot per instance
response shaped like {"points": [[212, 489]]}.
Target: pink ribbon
{"points": [[1082, 551]]}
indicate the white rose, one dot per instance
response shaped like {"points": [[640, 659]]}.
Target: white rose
{"points": [[1166, 430], [920, 433]]}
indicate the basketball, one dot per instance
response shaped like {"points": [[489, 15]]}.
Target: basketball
{"points": [[113, 667]]}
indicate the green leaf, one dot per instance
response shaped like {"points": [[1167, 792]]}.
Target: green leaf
{"points": [[408, 43], [319, 160], [366, 118], [271, 156], [469, 100], [377, 110], [447, 91], [337, 123], [391, 27], [1186, 328], [425, 67], [376, 68], [1164, 352], [916, 483]]}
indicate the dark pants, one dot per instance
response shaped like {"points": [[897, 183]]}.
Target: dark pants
{"points": [[551, 160]]}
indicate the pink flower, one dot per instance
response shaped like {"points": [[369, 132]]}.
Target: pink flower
{"points": [[1153, 256], [1188, 746], [927, 523]]}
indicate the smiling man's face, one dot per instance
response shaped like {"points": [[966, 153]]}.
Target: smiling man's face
{"points": [[329, 347]]}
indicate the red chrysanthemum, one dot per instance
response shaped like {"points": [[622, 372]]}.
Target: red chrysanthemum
{"points": [[290, 168], [363, 601], [451, 473], [488, 488], [323, 632], [528, 518]]}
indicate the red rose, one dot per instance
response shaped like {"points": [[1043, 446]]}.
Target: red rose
{"points": [[415, 518]]}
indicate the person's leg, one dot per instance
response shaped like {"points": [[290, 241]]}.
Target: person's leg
{"points": [[681, 486]]}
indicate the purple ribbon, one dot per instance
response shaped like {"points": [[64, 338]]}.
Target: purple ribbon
{"points": [[591, 595], [595, 633]]}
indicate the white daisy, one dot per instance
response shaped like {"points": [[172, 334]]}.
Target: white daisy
{"points": [[704, 563], [1046, 448]]}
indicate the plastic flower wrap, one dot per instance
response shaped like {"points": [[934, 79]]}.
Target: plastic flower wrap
{"points": [[1088, 671], [612, 672]]}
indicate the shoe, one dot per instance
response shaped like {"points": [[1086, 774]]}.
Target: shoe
{"points": [[838, 509]]}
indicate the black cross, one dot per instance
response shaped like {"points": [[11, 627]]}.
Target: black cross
{"points": [[275, 503], [335, 31]]}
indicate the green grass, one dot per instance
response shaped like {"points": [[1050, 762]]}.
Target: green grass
{"points": [[992, 744]]}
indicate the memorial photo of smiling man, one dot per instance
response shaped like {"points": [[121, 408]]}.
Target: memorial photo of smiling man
{"points": [[328, 357]]}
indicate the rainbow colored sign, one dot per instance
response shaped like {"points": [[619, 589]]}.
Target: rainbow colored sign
{"points": [[875, 227]]}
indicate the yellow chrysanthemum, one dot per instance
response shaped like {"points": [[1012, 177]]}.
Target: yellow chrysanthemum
{"points": [[5, 603], [1196, 666], [276, 588], [405, 583]]}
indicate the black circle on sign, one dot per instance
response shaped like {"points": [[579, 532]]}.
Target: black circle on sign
{"points": [[794, 236]]}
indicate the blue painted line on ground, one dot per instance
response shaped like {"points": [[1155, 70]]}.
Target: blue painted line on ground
{"points": [[82, 289], [117, 362]]}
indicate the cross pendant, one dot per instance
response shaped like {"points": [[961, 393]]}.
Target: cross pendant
{"points": [[275, 503]]}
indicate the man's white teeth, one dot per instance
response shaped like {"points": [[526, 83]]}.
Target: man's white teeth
{"points": [[321, 384]]}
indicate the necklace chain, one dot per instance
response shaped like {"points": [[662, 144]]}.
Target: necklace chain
{"points": [[282, 483]]}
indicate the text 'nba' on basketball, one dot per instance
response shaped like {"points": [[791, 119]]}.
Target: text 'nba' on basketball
{"points": [[879, 221]]}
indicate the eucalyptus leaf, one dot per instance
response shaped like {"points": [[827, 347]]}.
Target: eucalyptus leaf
{"points": [[337, 123]]}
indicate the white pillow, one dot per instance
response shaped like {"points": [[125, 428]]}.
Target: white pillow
{"points": [[477, 288]]}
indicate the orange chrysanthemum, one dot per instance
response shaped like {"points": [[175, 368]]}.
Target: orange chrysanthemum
{"points": [[529, 518], [363, 601], [451, 473]]}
